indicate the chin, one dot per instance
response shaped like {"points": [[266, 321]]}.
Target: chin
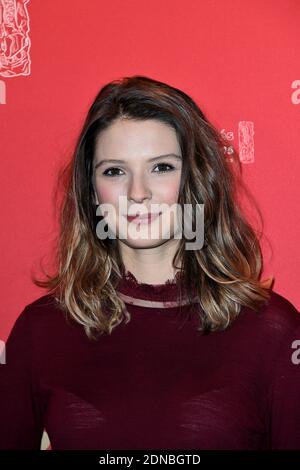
{"points": [[142, 243]]}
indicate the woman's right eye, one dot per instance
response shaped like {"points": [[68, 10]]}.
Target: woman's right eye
{"points": [[105, 173]]}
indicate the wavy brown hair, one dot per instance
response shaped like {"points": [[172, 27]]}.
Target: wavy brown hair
{"points": [[225, 272]]}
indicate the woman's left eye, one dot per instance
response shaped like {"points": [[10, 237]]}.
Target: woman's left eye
{"points": [[164, 165]]}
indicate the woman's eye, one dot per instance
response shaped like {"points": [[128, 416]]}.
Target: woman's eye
{"points": [[105, 173], [159, 165], [164, 165]]}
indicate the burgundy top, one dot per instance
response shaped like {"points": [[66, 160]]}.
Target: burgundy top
{"points": [[156, 382]]}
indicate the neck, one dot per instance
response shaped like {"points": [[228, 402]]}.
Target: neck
{"points": [[151, 265]]}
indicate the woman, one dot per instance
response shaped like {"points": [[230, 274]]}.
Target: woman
{"points": [[141, 342]]}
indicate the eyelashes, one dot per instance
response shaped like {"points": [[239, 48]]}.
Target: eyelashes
{"points": [[105, 173]]}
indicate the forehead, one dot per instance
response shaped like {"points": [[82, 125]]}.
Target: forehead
{"points": [[126, 138]]}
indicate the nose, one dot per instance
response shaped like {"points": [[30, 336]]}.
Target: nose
{"points": [[139, 189]]}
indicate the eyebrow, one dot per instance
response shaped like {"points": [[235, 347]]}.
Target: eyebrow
{"points": [[113, 160]]}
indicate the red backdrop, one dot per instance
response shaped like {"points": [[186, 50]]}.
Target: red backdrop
{"points": [[238, 60]]}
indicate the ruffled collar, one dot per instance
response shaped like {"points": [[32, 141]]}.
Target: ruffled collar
{"points": [[167, 295]]}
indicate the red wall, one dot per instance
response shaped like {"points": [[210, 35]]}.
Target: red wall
{"points": [[238, 60]]}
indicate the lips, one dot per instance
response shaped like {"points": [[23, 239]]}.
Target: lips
{"points": [[149, 216]]}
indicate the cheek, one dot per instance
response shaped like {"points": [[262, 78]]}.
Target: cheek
{"points": [[108, 193], [169, 193]]}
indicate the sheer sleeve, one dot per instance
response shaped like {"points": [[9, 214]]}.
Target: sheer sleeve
{"points": [[21, 427]]}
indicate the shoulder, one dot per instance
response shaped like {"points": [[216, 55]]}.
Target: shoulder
{"points": [[37, 324], [263, 341], [274, 321], [43, 313], [45, 301], [279, 313], [42, 307], [42, 328]]}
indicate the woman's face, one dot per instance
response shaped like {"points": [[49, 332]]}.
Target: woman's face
{"points": [[141, 180]]}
